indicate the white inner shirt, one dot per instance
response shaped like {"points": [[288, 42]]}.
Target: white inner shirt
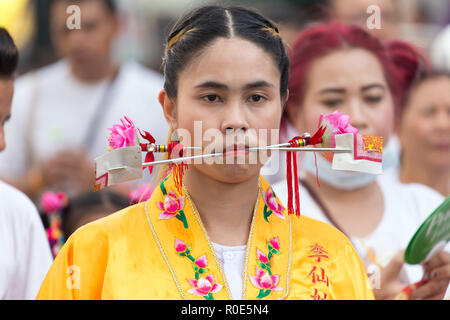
{"points": [[232, 259]]}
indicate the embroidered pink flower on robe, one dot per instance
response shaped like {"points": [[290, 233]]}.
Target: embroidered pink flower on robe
{"points": [[201, 262], [275, 243], [171, 205], [272, 204], [180, 246], [261, 256], [204, 286], [265, 281], [51, 202], [122, 135]]}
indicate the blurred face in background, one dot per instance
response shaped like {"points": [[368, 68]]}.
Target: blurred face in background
{"points": [[351, 81], [89, 48], [6, 96], [424, 129], [355, 12]]}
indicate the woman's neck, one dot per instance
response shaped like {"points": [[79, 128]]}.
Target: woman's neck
{"points": [[226, 209], [436, 178]]}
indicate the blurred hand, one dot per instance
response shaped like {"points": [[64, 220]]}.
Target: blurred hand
{"points": [[390, 286], [68, 170], [437, 273]]}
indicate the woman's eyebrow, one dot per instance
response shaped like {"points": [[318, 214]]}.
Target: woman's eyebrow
{"points": [[211, 84], [374, 85], [218, 85], [332, 90], [258, 84]]}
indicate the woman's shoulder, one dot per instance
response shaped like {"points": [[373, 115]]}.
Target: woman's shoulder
{"points": [[111, 227], [15, 204], [307, 231], [413, 199]]}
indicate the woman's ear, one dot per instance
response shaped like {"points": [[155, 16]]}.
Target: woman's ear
{"points": [[169, 108]]}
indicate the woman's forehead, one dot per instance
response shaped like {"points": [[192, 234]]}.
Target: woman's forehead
{"points": [[349, 67], [231, 61]]}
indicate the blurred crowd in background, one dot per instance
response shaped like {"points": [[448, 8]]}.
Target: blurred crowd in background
{"points": [[144, 24]]}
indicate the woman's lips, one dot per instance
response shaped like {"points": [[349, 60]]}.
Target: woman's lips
{"points": [[235, 150]]}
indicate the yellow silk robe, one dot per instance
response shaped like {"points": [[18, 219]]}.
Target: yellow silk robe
{"points": [[159, 249]]}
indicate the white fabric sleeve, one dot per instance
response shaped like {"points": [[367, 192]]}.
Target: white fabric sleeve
{"points": [[33, 257]]}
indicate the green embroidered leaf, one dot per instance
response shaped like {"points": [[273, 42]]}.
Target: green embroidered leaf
{"points": [[275, 251], [202, 270], [188, 250], [209, 296], [267, 214], [180, 216], [163, 188], [197, 276], [263, 293], [269, 246], [262, 265], [269, 256]]}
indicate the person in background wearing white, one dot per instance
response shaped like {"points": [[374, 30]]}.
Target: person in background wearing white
{"points": [[340, 67], [25, 255], [424, 132], [62, 112]]}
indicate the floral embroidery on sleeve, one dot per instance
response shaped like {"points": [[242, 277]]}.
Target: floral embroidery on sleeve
{"points": [[263, 278], [171, 206], [201, 286], [271, 205]]}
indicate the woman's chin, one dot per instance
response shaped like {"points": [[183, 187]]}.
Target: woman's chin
{"points": [[231, 173]]}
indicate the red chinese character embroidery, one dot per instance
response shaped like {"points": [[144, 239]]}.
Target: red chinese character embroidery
{"points": [[318, 252], [316, 295], [319, 276]]}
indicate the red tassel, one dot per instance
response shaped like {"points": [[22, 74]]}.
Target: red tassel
{"points": [[178, 172], [292, 177], [297, 193], [291, 165], [317, 169], [149, 157], [289, 181], [316, 138], [147, 136], [179, 168]]}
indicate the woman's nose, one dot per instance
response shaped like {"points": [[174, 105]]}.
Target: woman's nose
{"points": [[357, 115], [234, 118]]}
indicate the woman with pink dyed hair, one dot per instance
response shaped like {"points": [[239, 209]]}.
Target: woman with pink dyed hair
{"points": [[344, 68]]}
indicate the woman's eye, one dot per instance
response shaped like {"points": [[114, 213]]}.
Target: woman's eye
{"points": [[373, 99], [332, 103], [256, 98], [211, 98], [428, 112]]}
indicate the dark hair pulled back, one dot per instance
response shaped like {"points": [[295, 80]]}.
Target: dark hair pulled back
{"points": [[199, 28], [9, 55]]}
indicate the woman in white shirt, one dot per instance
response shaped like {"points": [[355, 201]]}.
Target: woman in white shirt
{"points": [[338, 67]]}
